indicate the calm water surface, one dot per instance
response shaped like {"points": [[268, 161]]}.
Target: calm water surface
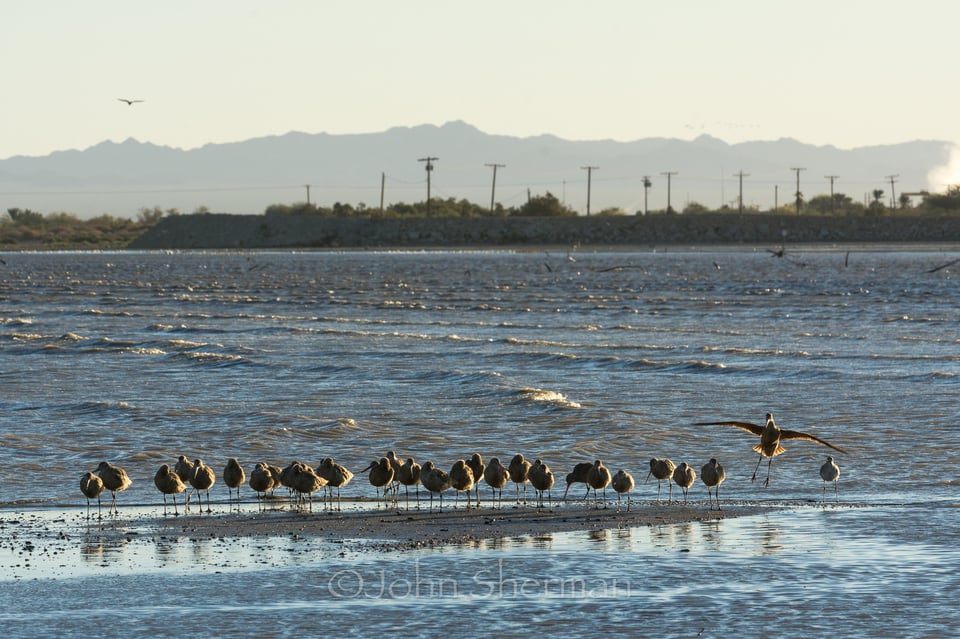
{"points": [[140, 357]]}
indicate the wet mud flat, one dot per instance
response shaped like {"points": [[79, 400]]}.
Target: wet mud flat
{"points": [[52, 542]]}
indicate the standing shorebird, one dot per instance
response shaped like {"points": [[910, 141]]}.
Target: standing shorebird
{"points": [[830, 472], [337, 476], [712, 474], [203, 478], [623, 483], [770, 437], [461, 479], [233, 477], [261, 480], [519, 469], [305, 481], [380, 476], [684, 476], [662, 469], [115, 479], [435, 481], [542, 480], [184, 468], [477, 466], [599, 478], [91, 486], [496, 475], [578, 476], [409, 475], [168, 482]]}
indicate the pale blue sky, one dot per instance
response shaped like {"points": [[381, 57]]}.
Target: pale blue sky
{"points": [[842, 72]]}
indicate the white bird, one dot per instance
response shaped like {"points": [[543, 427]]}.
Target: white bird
{"points": [[830, 472], [770, 437]]}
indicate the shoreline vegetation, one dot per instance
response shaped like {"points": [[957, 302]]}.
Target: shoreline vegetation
{"points": [[24, 230], [542, 221]]}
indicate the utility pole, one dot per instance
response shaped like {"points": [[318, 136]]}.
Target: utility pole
{"points": [[893, 192], [646, 188], [429, 166], [589, 170], [799, 195], [383, 184], [669, 175], [308, 193], [831, 178], [776, 197], [493, 188], [741, 175]]}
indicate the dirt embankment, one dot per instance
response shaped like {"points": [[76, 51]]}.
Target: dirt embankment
{"points": [[212, 231]]}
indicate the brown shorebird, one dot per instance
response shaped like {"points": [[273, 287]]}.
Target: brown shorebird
{"points": [[305, 481], [409, 475], [770, 437], [712, 474], [519, 469], [830, 472], [184, 468], [477, 467], [435, 481], [578, 476], [461, 480], [337, 476], [91, 486], [203, 478], [168, 482], [623, 483], [684, 476], [262, 480], [496, 475], [233, 477], [599, 478], [542, 480], [115, 479], [381, 476], [662, 469]]}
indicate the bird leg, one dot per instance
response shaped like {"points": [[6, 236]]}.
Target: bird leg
{"points": [[754, 478]]}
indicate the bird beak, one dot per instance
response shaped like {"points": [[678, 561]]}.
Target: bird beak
{"points": [[648, 476], [372, 464]]}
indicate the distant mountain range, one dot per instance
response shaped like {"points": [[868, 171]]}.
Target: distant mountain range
{"points": [[245, 177]]}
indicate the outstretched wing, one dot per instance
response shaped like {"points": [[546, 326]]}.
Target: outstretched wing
{"points": [[795, 434], [756, 429]]}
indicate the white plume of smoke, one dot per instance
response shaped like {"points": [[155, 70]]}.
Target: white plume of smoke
{"points": [[945, 175]]}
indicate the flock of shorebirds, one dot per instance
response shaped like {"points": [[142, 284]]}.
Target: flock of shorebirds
{"points": [[388, 473]]}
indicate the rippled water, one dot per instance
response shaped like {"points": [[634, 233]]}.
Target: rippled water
{"points": [[140, 357]]}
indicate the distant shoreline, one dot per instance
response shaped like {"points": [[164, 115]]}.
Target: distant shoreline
{"points": [[211, 231]]}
